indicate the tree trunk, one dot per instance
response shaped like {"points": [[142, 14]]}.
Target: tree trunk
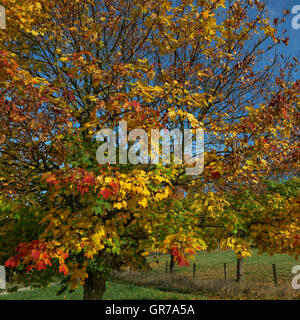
{"points": [[172, 264], [239, 270], [94, 286]]}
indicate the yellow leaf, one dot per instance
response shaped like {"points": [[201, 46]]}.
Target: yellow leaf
{"points": [[144, 202], [64, 59]]}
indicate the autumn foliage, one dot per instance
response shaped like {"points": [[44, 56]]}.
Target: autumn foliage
{"points": [[69, 68]]}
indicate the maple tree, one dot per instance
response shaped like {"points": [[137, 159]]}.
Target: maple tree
{"points": [[69, 68]]}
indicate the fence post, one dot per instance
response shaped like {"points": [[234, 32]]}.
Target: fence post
{"points": [[239, 270], [274, 274], [172, 264], [194, 271], [166, 266], [225, 272]]}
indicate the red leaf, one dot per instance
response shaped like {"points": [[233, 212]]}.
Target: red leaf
{"points": [[115, 187], [82, 189], [29, 268], [63, 269], [40, 266], [174, 251], [136, 106], [215, 174], [105, 193], [182, 261], [52, 180], [89, 179], [11, 262], [35, 254], [65, 255]]}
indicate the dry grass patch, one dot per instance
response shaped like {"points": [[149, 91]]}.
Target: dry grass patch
{"points": [[212, 288]]}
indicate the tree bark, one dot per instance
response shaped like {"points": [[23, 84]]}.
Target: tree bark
{"points": [[94, 286], [172, 264], [239, 270]]}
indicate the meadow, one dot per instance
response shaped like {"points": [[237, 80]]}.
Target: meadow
{"points": [[258, 282], [209, 282]]}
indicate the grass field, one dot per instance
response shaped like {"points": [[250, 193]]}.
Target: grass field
{"points": [[209, 281], [208, 284], [211, 266], [114, 291]]}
